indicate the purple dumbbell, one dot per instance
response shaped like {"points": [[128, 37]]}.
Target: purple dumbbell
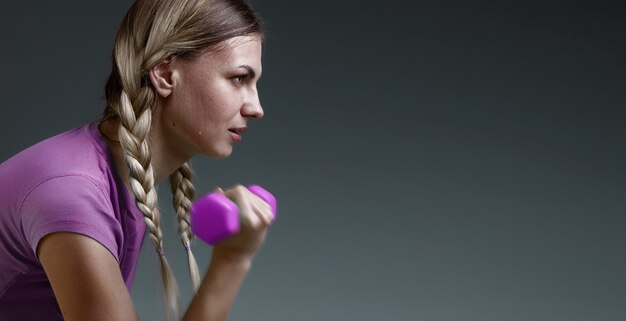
{"points": [[214, 217]]}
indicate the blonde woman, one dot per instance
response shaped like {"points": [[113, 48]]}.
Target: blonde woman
{"points": [[74, 208]]}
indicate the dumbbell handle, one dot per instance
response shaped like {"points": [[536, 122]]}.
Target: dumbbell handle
{"points": [[214, 217]]}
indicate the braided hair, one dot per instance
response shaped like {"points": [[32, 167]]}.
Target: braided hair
{"points": [[151, 32]]}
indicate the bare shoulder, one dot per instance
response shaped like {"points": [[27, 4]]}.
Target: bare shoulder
{"points": [[85, 277]]}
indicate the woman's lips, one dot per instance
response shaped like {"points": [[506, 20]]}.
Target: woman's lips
{"points": [[235, 133], [238, 130]]}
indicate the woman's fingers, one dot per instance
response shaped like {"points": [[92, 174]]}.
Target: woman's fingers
{"points": [[263, 210], [255, 217], [255, 212]]}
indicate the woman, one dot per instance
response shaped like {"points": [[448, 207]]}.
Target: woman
{"points": [[75, 206]]}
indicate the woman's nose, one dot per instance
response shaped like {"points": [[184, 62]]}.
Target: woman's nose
{"points": [[253, 108]]}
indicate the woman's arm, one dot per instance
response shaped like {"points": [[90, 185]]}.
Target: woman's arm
{"points": [[231, 258], [85, 278], [88, 284], [218, 289]]}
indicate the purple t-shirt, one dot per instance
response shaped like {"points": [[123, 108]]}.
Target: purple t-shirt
{"points": [[64, 183]]}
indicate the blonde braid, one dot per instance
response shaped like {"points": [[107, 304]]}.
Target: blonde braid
{"points": [[132, 136], [183, 193], [151, 32], [133, 132]]}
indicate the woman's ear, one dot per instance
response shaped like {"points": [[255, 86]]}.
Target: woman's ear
{"points": [[161, 77]]}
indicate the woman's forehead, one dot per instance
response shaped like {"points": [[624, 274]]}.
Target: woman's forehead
{"points": [[242, 50]]}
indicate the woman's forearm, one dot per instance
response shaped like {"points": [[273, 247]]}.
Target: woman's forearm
{"points": [[218, 288]]}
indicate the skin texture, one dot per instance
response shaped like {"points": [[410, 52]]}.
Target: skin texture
{"points": [[85, 277], [198, 101], [203, 98]]}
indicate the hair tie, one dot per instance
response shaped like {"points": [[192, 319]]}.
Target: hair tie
{"points": [[187, 247], [161, 252]]}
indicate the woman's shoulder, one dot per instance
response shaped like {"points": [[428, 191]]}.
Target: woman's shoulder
{"points": [[62, 183], [78, 151]]}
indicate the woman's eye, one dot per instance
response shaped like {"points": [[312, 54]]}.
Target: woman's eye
{"points": [[239, 79]]}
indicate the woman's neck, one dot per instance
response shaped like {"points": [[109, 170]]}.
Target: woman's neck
{"points": [[163, 164]]}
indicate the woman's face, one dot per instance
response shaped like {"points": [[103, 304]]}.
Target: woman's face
{"points": [[212, 97]]}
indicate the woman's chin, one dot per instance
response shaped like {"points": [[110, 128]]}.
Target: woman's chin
{"points": [[220, 154]]}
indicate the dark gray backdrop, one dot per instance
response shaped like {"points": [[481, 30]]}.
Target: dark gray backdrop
{"points": [[433, 160]]}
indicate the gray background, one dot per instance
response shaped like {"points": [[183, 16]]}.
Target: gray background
{"points": [[433, 160]]}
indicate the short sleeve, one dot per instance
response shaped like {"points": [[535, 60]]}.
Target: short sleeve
{"points": [[72, 203]]}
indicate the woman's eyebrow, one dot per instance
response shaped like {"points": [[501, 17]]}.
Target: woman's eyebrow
{"points": [[249, 69]]}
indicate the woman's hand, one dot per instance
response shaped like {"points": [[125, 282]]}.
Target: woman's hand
{"points": [[232, 257], [255, 217]]}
